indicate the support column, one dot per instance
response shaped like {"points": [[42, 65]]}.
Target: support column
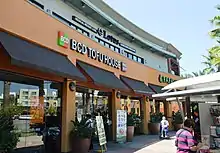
{"points": [[145, 114], [115, 106], [168, 112], [68, 114], [188, 107]]}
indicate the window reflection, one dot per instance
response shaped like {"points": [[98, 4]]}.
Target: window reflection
{"points": [[39, 109]]}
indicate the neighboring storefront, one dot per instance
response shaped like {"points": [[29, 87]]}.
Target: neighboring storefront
{"points": [[35, 47]]}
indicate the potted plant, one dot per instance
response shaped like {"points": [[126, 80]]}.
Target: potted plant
{"points": [[80, 136], [9, 137], [130, 126], [177, 120], [154, 123], [137, 128]]}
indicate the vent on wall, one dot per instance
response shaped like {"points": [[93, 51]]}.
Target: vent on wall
{"points": [[39, 5]]}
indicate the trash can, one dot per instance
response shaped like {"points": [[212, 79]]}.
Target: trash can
{"points": [[51, 139]]}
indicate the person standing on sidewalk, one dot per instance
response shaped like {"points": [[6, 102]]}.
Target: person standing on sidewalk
{"points": [[185, 141]]}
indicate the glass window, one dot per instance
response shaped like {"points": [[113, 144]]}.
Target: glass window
{"points": [[79, 30], [117, 49], [139, 59], [73, 26], [31, 118], [112, 47], [86, 33], [135, 58], [107, 45], [102, 42], [129, 56]]}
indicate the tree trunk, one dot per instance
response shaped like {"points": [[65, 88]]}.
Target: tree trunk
{"points": [[6, 100]]}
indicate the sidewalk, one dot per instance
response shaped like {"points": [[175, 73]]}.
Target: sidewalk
{"points": [[143, 144]]}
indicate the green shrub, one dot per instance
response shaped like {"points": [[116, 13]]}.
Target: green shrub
{"points": [[8, 135], [177, 118], [81, 129], [156, 117]]}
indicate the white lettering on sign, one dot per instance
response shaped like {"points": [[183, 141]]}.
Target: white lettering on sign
{"points": [[64, 39], [96, 55]]}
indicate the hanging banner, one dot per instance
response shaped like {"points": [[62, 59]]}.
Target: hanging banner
{"points": [[101, 130], [36, 110], [121, 126]]}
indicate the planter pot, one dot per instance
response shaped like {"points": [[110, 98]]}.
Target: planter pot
{"points": [[154, 128], [177, 126], [137, 130], [80, 145], [130, 133]]}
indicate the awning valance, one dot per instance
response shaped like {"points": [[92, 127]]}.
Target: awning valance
{"points": [[137, 86], [26, 54], [102, 77]]}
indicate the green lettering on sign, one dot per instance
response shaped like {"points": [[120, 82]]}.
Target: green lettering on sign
{"points": [[164, 79]]}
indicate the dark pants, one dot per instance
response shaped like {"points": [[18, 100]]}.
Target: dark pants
{"points": [[91, 145]]}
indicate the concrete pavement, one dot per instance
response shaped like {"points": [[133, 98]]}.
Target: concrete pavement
{"points": [[145, 144]]}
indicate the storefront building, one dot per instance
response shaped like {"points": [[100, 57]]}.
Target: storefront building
{"points": [[75, 47]]}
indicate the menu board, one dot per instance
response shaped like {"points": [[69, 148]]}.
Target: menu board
{"points": [[36, 110], [121, 126], [101, 130]]}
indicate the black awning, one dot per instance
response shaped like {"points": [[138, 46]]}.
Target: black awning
{"points": [[17, 78], [29, 55], [137, 86], [102, 77], [156, 88]]}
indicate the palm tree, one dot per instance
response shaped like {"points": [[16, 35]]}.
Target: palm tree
{"points": [[195, 74], [212, 61], [6, 98]]}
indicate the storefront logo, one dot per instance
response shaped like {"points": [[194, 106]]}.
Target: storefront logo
{"points": [[81, 48], [103, 33], [63, 39], [164, 79]]}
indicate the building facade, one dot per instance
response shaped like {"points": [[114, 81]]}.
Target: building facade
{"points": [[84, 46]]}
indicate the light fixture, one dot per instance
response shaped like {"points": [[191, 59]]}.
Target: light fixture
{"points": [[72, 86], [83, 5], [132, 38], [110, 25], [118, 94]]}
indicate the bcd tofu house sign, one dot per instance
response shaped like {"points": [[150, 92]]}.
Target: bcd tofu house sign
{"points": [[64, 41]]}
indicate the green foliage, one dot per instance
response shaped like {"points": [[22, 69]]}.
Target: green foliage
{"points": [[194, 74], [156, 117], [8, 135], [52, 110], [212, 60], [81, 129], [133, 119], [177, 118]]}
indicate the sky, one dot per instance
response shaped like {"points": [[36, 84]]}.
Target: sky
{"points": [[183, 23]]}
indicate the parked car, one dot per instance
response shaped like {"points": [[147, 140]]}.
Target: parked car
{"points": [[24, 117]]}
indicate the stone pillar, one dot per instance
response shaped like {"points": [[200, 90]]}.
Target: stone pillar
{"points": [[115, 106], [145, 114], [68, 114]]}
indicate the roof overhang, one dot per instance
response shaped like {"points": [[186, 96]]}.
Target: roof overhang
{"points": [[195, 82], [197, 86], [92, 11], [190, 92]]}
